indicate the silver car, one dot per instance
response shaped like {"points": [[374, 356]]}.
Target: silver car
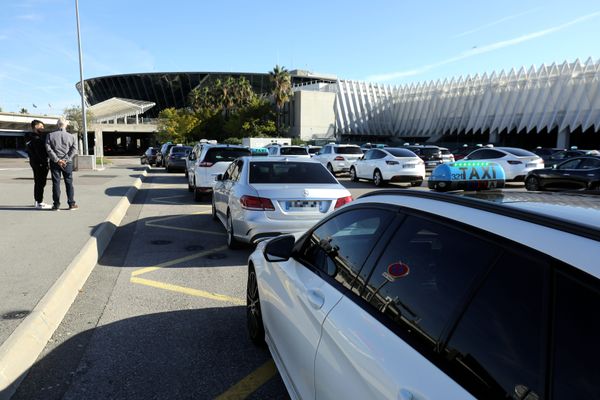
{"points": [[258, 198]]}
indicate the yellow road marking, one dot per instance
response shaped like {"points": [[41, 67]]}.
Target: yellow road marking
{"points": [[154, 224], [250, 383], [190, 291], [145, 270]]}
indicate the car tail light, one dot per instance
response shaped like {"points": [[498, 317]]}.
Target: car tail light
{"points": [[343, 200], [514, 162], [205, 164], [339, 158], [256, 203], [391, 162]]}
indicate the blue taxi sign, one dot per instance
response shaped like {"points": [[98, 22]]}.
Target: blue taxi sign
{"points": [[467, 175], [259, 151]]}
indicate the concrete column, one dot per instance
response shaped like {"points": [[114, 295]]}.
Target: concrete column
{"points": [[494, 136], [562, 140], [99, 143], [137, 119]]}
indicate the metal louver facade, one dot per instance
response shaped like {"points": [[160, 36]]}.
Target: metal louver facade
{"points": [[563, 97]]}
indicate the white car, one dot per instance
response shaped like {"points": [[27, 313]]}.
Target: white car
{"points": [[389, 164], [447, 156], [516, 162], [338, 157], [213, 160], [264, 197], [420, 295], [288, 151], [191, 160]]}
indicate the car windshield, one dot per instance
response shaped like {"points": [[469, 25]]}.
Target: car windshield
{"points": [[225, 154], [518, 152], [400, 152], [289, 172], [293, 151], [430, 151], [348, 150]]}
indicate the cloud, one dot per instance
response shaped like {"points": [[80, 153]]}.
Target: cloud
{"points": [[494, 23], [481, 50]]}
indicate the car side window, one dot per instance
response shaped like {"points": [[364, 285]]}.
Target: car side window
{"points": [[327, 150], [235, 173], [369, 155], [571, 164], [558, 155], [340, 246], [576, 332], [476, 155], [424, 274], [500, 340], [590, 163], [229, 172], [378, 154]]}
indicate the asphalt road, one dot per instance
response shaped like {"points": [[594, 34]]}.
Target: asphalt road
{"points": [[162, 316]]}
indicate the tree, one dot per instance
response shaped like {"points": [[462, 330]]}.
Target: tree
{"points": [[24, 111], [282, 90], [176, 125], [74, 115]]}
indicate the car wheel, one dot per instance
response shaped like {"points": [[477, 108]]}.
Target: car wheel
{"points": [[213, 209], [232, 242], [198, 195], [330, 169], [416, 183], [378, 179], [532, 183], [186, 173], [256, 328], [353, 176], [190, 187]]}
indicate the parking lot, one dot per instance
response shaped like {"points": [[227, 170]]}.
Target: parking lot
{"points": [[162, 315]]}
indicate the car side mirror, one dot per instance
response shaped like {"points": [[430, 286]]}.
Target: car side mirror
{"points": [[279, 248], [219, 177]]}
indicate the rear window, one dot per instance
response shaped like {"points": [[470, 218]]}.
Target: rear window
{"points": [[400, 152], [289, 172], [152, 151], [348, 150], [446, 152], [225, 154], [313, 150], [181, 149], [293, 151], [429, 151], [518, 152]]}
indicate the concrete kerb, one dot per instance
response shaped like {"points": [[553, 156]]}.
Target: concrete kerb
{"points": [[22, 348]]}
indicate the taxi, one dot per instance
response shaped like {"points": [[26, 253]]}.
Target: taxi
{"points": [[467, 175]]}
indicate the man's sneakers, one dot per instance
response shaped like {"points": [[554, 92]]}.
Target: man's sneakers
{"points": [[55, 207], [41, 206], [73, 207]]}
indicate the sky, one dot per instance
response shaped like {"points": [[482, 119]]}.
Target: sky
{"points": [[389, 41]]}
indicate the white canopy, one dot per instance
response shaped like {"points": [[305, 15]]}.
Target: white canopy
{"points": [[117, 107]]}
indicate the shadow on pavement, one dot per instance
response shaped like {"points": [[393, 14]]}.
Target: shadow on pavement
{"points": [[189, 354]]}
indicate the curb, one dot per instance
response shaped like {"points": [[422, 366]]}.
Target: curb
{"points": [[22, 348]]}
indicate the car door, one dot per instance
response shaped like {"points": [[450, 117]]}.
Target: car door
{"points": [[375, 162], [362, 166], [220, 192], [586, 173], [382, 345], [564, 176], [299, 293]]}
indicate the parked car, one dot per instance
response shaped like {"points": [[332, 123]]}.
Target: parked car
{"points": [[264, 197], [389, 165], [288, 151], [312, 150], [338, 157], [421, 295], [515, 162], [563, 155], [431, 155], [461, 152], [214, 159], [162, 153], [545, 153], [447, 156], [176, 159], [149, 156], [193, 156], [574, 173]]}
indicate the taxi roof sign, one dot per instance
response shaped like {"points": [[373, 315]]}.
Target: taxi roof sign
{"points": [[467, 175]]}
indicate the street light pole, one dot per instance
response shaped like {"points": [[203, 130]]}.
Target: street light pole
{"points": [[83, 106]]}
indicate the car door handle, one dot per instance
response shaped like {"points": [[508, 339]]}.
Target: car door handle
{"points": [[405, 395], [315, 298]]}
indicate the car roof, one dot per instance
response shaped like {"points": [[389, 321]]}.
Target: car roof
{"points": [[343, 145], [280, 158]]}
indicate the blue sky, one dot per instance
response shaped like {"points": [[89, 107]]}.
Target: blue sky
{"points": [[393, 41]]}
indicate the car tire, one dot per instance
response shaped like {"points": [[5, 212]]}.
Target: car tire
{"points": [[232, 242], [532, 184], [353, 176], [190, 187], [213, 209], [186, 172], [254, 322], [198, 195], [330, 169], [378, 179], [416, 183], [169, 170]]}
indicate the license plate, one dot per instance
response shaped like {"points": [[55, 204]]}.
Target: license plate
{"points": [[301, 204], [431, 163], [409, 165], [532, 165]]}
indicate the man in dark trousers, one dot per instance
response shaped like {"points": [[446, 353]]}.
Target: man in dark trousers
{"points": [[38, 159], [61, 148]]}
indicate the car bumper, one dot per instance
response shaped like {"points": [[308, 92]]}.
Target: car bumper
{"points": [[252, 226], [177, 164]]}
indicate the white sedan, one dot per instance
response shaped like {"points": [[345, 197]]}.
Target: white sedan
{"points": [[389, 164], [257, 198], [515, 162]]}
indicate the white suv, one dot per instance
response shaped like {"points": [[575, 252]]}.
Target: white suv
{"points": [[338, 157], [213, 160], [407, 294], [288, 151]]}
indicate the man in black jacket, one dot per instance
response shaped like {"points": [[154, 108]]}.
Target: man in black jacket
{"points": [[38, 159]]}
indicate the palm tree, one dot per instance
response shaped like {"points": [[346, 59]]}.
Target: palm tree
{"points": [[282, 90], [24, 111]]}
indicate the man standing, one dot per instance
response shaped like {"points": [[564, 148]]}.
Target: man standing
{"points": [[38, 160], [61, 148]]}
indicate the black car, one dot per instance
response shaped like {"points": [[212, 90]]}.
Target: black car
{"points": [[149, 156], [176, 158], [563, 155], [162, 154], [574, 173], [431, 155], [545, 153]]}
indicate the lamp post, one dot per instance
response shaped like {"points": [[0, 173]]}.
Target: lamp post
{"points": [[83, 107]]}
